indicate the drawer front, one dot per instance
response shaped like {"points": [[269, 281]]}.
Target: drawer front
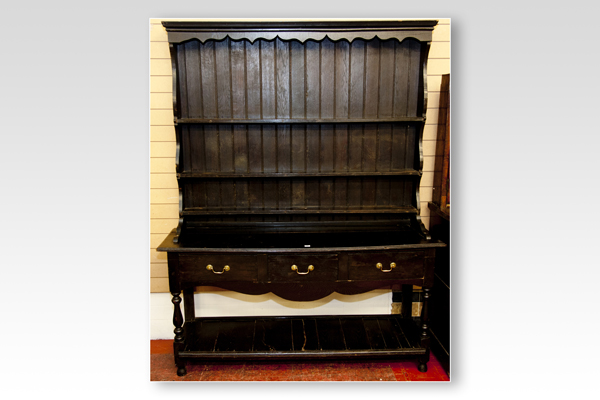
{"points": [[388, 265], [218, 268], [303, 267]]}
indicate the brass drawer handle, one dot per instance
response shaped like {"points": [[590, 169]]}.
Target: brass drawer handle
{"points": [[380, 266], [295, 268], [210, 268]]}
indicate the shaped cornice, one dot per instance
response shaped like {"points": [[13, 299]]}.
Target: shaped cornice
{"points": [[182, 31]]}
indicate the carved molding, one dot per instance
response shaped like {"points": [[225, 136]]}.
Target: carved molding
{"points": [[181, 31]]}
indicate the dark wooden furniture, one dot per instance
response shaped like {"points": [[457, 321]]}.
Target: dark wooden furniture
{"points": [[441, 180], [299, 159], [439, 226], [440, 316]]}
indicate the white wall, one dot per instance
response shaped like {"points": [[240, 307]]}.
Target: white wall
{"points": [[218, 302]]}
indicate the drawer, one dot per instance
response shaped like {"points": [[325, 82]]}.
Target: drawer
{"points": [[218, 268], [303, 267], [388, 265]]}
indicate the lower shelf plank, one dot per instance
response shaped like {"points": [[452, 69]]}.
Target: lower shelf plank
{"points": [[301, 337]]}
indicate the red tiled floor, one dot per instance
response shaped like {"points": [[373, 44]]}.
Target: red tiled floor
{"points": [[161, 347], [162, 368]]}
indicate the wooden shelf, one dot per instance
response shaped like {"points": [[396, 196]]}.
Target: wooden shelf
{"points": [[260, 175], [298, 337], [251, 240], [304, 210], [239, 121], [388, 224]]}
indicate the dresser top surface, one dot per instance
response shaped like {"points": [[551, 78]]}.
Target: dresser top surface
{"points": [[298, 242], [293, 25]]}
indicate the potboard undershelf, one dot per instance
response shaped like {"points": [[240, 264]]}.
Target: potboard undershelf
{"points": [[301, 337]]}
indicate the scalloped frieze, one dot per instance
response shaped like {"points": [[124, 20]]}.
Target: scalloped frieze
{"points": [[180, 37], [179, 32]]}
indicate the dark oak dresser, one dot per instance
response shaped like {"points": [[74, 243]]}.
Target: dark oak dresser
{"points": [[299, 157]]}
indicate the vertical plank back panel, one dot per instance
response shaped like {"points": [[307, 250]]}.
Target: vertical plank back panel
{"points": [[238, 79], [327, 79], [253, 78], [207, 73], [196, 137], [223, 78], [297, 77], [357, 79], [387, 78], [187, 61], [254, 110], [280, 79], [267, 69], [414, 77]]}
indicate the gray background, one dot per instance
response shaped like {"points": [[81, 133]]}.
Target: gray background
{"points": [[74, 81]]}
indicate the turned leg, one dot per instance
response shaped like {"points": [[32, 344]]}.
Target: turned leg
{"points": [[178, 342], [424, 331]]}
